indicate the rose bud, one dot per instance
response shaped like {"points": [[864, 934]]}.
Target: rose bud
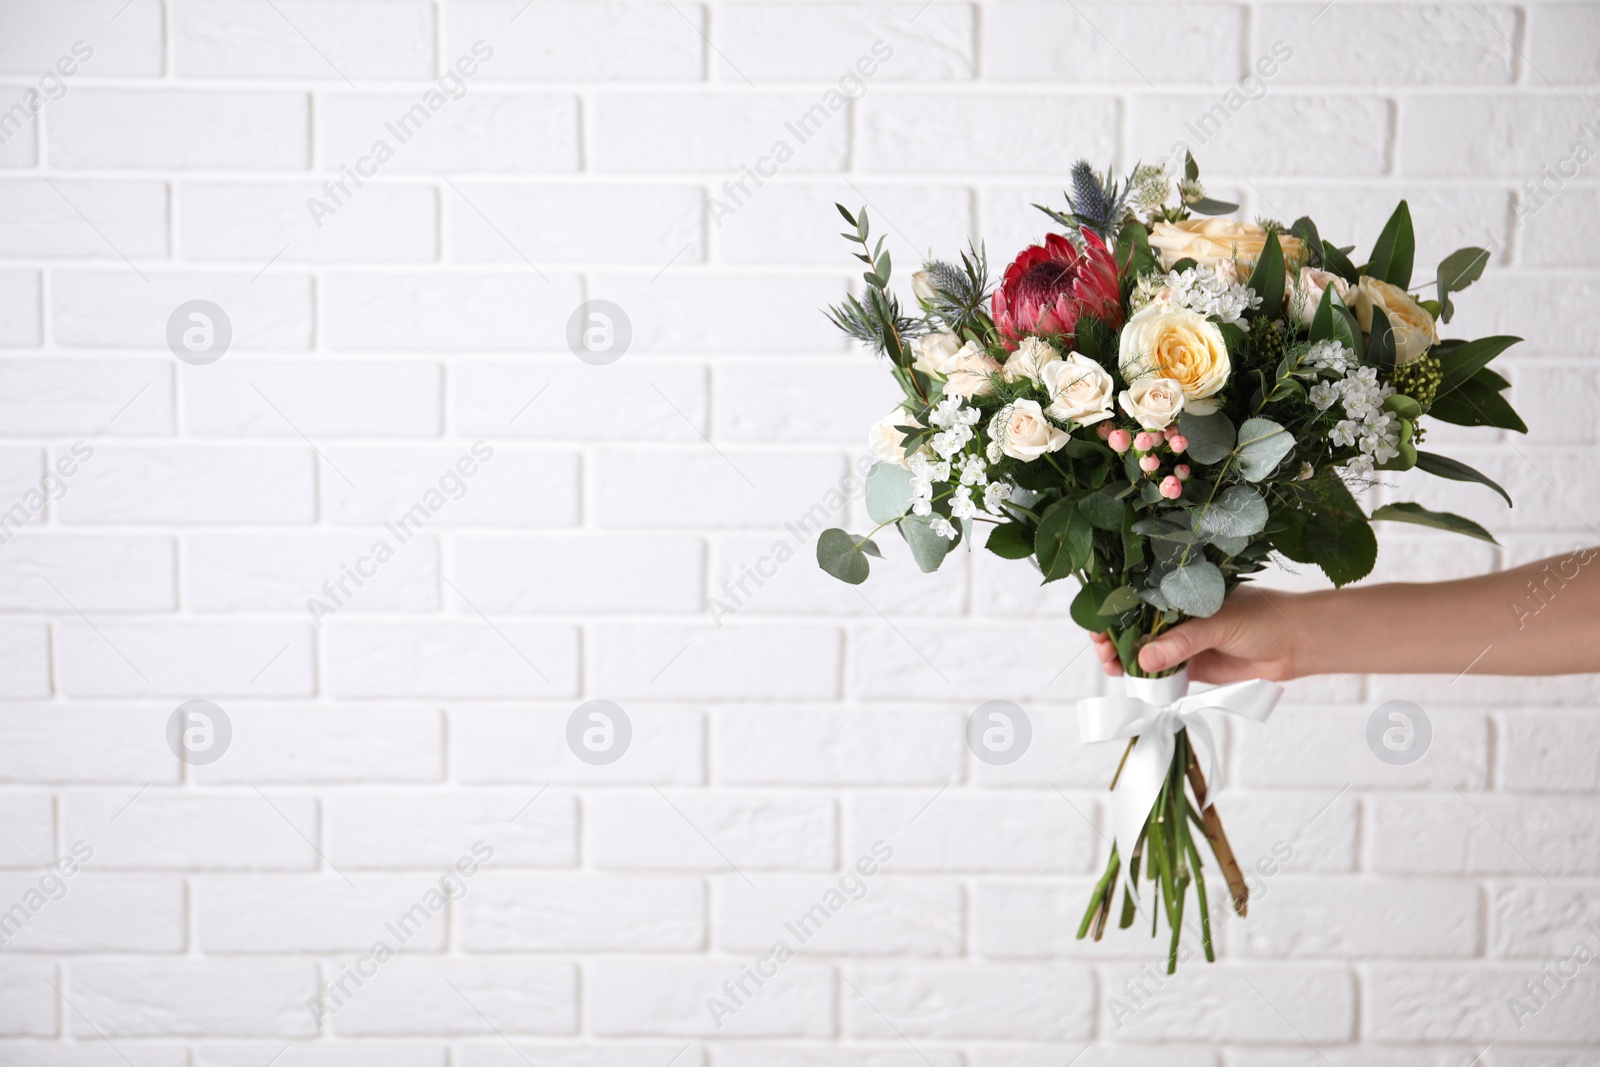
{"points": [[1171, 488], [1149, 464], [1119, 440]]}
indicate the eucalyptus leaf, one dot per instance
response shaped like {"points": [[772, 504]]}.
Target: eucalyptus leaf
{"points": [[888, 492], [1196, 589], [1207, 206], [928, 548], [1155, 599], [1238, 511], [1231, 546], [1123, 598], [1262, 446], [840, 554], [1457, 271], [1211, 437]]}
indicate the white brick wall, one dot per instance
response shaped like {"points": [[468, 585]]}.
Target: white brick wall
{"points": [[592, 150]]}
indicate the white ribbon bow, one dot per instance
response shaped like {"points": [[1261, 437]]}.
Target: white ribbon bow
{"points": [[1154, 710]]}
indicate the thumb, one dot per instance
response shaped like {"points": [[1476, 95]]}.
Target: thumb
{"points": [[1181, 643]]}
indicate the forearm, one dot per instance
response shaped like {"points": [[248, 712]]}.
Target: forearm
{"points": [[1541, 618]]}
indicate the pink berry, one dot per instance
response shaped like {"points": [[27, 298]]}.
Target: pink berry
{"points": [[1146, 441], [1171, 488], [1149, 464], [1104, 430], [1119, 440], [1182, 472], [1177, 442]]}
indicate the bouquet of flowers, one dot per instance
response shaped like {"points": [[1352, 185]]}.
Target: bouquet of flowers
{"points": [[1155, 404]]}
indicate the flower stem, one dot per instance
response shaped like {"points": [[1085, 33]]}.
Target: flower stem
{"points": [[1211, 822]]}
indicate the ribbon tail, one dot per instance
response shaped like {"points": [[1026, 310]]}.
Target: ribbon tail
{"points": [[1201, 738], [1135, 796]]}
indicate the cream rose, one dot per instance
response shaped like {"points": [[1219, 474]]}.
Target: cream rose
{"points": [[932, 351], [886, 442], [1303, 295], [965, 367], [1163, 341], [1029, 360], [1414, 329], [1212, 241], [1022, 431], [1080, 390], [1153, 402], [922, 285]]}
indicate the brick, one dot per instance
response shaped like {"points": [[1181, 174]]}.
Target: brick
{"points": [[546, 42], [833, 402], [73, 219], [94, 913], [29, 1007], [901, 660], [184, 660], [119, 38], [452, 312], [1413, 1003], [696, 831], [475, 130], [584, 914], [955, 1001], [118, 309], [1465, 46], [23, 488], [705, 487], [1512, 135], [56, 1054], [1318, 829], [20, 315], [355, 745], [20, 148], [1526, 473], [417, 998], [464, 484], [1549, 752], [799, 223], [1103, 42], [1302, 750], [840, 915], [777, 574], [170, 831], [1554, 43], [768, 1054], [607, 1055], [1005, 133], [148, 129], [1505, 835], [629, 999], [582, 574], [24, 660], [94, 573], [770, 131], [697, 662], [837, 748], [451, 659], [1032, 920], [57, 397], [1561, 390], [1312, 919], [948, 830], [850, 45], [251, 573], [305, 222], [546, 401], [434, 831], [255, 998], [1541, 922], [364, 39], [311, 1054], [27, 829], [1230, 134], [82, 745], [1105, 1054], [282, 399], [318, 913], [503, 223], [531, 746], [191, 485], [1288, 1005], [668, 314]]}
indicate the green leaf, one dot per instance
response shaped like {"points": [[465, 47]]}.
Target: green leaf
{"points": [[1207, 206], [1238, 511], [1342, 544], [1133, 250], [840, 555], [927, 548], [1267, 279], [1196, 589], [1010, 540], [1103, 510], [1333, 322], [1262, 446], [1085, 606], [1380, 345], [1211, 437], [1339, 263], [888, 492], [1439, 520], [1457, 271], [1392, 255], [1191, 169], [1404, 406], [1064, 540], [1464, 360], [1306, 230], [843, 211], [1477, 402], [1123, 598], [1456, 471]]}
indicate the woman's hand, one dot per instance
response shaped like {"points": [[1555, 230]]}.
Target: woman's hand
{"points": [[1252, 636]]}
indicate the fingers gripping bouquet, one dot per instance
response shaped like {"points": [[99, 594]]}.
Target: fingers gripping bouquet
{"points": [[1154, 404]]}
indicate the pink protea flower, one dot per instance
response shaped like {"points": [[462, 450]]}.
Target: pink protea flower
{"points": [[1048, 286]]}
